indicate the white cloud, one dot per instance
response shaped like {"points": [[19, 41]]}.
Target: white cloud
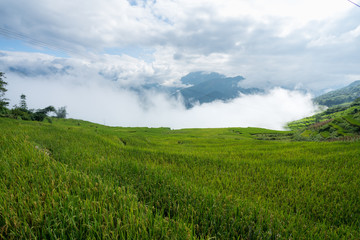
{"points": [[105, 102], [124, 70], [203, 26], [278, 43]]}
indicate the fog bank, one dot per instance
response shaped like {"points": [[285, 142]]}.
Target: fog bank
{"points": [[107, 103]]}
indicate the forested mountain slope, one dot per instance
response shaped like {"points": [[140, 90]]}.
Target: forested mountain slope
{"points": [[340, 96]]}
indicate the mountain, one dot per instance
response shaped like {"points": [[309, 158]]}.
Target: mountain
{"points": [[202, 87], [340, 96], [195, 78], [208, 87]]}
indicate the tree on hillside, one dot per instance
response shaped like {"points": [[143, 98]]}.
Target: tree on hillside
{"points": [[23, 104], [356, 102], [41, 114], [61, 112], [3, 101], [21, 111]]}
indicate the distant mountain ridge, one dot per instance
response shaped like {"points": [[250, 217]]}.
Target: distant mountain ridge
{"points": [[341, 96], [202, 87], [208, 87], [195, 78]]}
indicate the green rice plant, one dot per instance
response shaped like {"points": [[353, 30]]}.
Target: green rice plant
{"points": [[42, 198], [75, 179]]}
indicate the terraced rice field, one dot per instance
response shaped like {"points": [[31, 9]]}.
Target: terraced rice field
{"points": [[78, 180]]}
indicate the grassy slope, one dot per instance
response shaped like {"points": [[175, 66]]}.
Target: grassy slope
{"points": [[74, 179], [339, 122]]}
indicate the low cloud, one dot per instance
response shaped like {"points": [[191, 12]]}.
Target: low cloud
{"points": [[109, 104], [100, 91]]}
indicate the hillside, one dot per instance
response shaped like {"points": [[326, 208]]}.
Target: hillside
{"points": [[78, 180], [340, 96], [339, 122]]}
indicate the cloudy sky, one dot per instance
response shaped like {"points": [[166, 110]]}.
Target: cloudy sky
{"points": [[75, 52]]}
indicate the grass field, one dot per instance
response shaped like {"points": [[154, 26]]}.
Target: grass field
{"points": [[78, 180]]}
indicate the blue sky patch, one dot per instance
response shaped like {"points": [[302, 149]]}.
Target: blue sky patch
{"points": [[15, 45]]}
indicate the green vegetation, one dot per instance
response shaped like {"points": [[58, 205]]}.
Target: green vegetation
{"points": [[336, 123], [22, 112], [71, 179], [3, 101], [78, 180], [342, 96]]}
